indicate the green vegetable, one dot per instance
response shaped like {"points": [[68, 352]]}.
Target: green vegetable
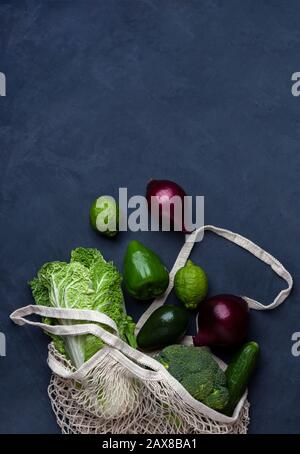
{"points": [[239, 372], [104, 215], [165, 326], [145, 276], [196, 369], [87, 282], [191, 285]]}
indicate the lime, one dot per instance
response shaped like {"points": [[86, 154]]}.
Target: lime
{"points": [[104, 215], [191, 285]]}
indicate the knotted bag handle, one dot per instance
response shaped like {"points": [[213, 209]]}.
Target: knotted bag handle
{"points": [[244, 243]]}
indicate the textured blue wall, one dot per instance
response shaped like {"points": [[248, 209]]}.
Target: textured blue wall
{"points": [[107, 94]]}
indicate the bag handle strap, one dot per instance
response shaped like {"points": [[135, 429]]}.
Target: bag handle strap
{"points": [[244, 243], [86, 315], [143, 362]]}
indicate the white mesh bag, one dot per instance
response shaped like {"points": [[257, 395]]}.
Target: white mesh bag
{"points": [[121, 390]]}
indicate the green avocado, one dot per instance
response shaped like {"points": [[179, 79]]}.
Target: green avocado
{"points": [[165, 326], [144, 275]]}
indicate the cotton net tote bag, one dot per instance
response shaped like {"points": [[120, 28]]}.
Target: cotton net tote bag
{"points": [[122, 390]]}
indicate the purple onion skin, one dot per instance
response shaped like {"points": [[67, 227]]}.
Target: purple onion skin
{"points": [[163, 191], [222, 321]]}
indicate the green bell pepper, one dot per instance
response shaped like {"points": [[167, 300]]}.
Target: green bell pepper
{"points": [[145, 276]]}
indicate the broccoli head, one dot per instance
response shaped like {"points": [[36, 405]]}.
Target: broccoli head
{"points": [[198, 372]]}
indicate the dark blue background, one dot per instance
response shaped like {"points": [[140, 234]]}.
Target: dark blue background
{"points": [[104, 94]]}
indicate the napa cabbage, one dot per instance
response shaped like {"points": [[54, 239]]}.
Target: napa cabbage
{"points": [[88, 281]]}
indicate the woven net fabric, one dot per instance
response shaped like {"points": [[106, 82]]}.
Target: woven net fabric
{"points": [[112, 400]]}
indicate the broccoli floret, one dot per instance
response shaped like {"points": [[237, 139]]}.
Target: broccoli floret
{"points": [[197, 370], [217, 399]]}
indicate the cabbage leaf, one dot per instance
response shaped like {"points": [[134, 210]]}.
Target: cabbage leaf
{"points": [[87, 282]]}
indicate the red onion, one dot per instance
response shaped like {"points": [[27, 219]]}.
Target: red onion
{"points": [[222, 321], [159, 194]]}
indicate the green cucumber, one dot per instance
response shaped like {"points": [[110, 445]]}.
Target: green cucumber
{"points": [[239, 372], [165, 326]]}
